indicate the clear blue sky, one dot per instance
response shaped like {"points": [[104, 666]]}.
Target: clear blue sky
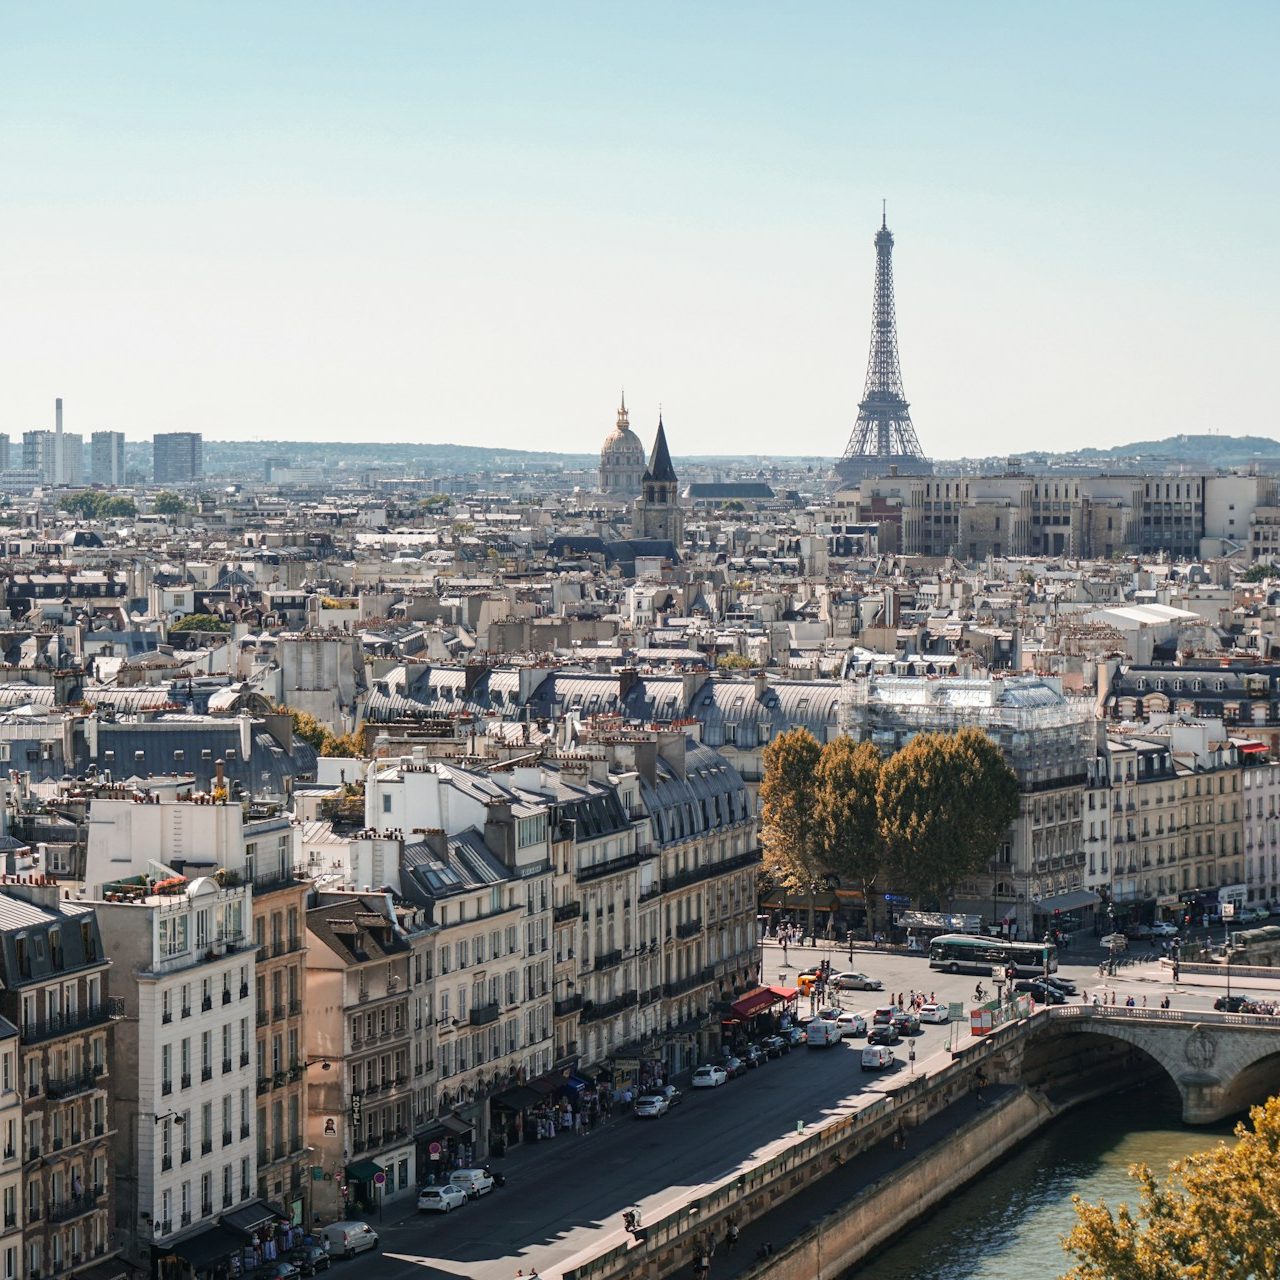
{"points": [[476, 222]]}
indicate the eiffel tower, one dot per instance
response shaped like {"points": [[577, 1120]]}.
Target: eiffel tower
{"points": [[883, 436]]}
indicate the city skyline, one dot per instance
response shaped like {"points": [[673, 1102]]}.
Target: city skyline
{"points": [[408, 224]]}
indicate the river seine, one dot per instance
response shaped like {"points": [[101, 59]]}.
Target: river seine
{"points": [[1008, 1225]]}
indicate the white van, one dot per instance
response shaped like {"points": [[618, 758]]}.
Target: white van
{"points": [[822, 1033], [347, 1238], [877, 1057], [475, 1182]]}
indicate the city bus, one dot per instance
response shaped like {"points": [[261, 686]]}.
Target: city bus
{"points": [[965, 953]]}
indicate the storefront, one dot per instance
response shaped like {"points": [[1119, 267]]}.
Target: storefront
{"points": [[448, 1143], [759, 1013], [238, 1244]]}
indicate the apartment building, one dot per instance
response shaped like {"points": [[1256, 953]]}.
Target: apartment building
{"points": [[184, 1084], [53, 976], [1260, 784], [360, 1119], [12, 1258]]}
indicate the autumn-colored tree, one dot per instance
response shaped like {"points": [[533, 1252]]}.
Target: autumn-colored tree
{"points": [[305, 726], [1213, 1217], [344, 744], [945, 801], [847, 816], [788, 795]]}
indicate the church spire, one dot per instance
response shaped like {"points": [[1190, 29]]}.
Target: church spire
{"points": [[660, 469], [623, 421]]}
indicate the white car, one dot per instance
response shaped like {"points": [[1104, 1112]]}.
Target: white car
{"points": [[709, 1077], [852, 1024], [441, 1199], [650, 1105], [935, 1013], [1164, 929], [857, 982]]}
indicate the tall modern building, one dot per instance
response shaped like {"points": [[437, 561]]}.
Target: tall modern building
{"points": [[178, 457], [56, 457], [4, 451], [883, 440], [106, 458]]}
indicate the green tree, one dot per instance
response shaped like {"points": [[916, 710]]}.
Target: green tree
{"points": [[1213, 1218], [168, 503], [116, 507], [945, 801], [201, 622], [788, 793], [733, 662], [847, 816], [84, 504], [1259, 571]]}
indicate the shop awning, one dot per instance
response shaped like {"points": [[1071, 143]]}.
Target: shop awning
{"points": [[249, 1217], [1072, 900], [593, 1075], [784, 993], [204, 1249], [456, 1126], [753, 1002], [520, 1098], [364, 1170]]}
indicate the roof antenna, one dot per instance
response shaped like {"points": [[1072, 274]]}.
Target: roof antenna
{"points": [[884, 215]]}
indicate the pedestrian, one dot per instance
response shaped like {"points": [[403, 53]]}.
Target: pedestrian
{"points": [[731, 1236], [1144, 1001], [1113, 997]]}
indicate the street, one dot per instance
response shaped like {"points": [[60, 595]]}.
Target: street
{"points": [[564, 1198]]}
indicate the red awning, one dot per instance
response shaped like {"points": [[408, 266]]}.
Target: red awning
{"points": [[1253, 748], [784, 993], [753, 1002]]}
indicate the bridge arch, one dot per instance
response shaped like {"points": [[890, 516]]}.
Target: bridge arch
{"points": [[1219, 1063]]}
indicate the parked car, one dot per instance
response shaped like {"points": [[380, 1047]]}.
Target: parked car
{"points": [[673, 1095], [1137, 931], [709, 1077], [754, 1056], [347, 1237], [734, 1067], [795, 1035], [1231, 1004], [1116, 941], [1164, 929], [851, 981], [649, 1106], [852, 1024], [441, 1199], [906, 1024], [310, 1259], [935, 1013], [1251, 915], [775, 1046], [280, 1269], [877, 1057], [884, 1033], [475, 1182]]}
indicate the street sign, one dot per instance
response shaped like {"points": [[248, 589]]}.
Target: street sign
{"points": [[379, 1178], [1228, 910], [434, 1149]]}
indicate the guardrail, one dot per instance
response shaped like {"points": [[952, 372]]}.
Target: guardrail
{"points": [[1121, 1013]]}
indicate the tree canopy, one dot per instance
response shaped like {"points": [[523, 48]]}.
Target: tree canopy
{"points": [[93, 504], [200, 622], [168, 503], [847, 816], [944, 800], [316, 734], [1212, 1218], [788, 795]]}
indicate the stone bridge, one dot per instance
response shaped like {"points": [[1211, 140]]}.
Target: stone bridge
{"points": [[1221, 1063]]}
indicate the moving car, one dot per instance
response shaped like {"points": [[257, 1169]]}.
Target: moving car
{"points": [[347, 1238], [1040, 990], [1137, 931], [650, 1105], [884, 1015], [906, 1023], [935, 1013], [876, 1057], [442, 1199], [857, 982], [1065, 985], [673, 1095], [1231, 1004], [709, 1077], [1164, 929], [796, 1036], [310, 1259], [852, 1024], [475, 1182], [885, 1033]]}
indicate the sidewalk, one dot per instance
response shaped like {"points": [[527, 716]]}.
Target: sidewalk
{"points": [[831, 1193]]}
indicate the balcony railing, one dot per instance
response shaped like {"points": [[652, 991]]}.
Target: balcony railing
{"points": [[608, 960], [596, 1012], [67, 1086], [570, 1004], [566, 911], [690, 929], [63, 1024], [483, 1014], [624, 863], [681, 879], [74, 1206]]}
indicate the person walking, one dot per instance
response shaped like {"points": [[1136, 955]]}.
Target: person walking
{"points": [[731, 1235]]}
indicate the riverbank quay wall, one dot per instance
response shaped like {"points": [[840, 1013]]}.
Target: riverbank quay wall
{"points": [[666, 1245]]}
